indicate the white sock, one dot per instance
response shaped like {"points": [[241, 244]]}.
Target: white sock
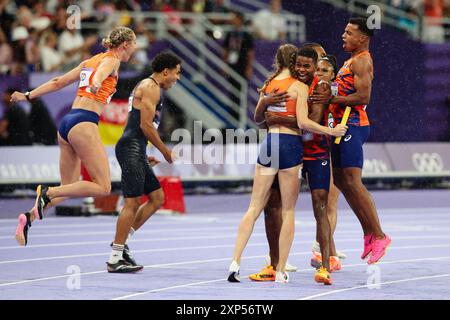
{"points": [[130, 234], [315, 246], [234, 267], [116, 253]]}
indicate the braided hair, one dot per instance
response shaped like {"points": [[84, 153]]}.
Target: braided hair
{"points": [[285, 58]]}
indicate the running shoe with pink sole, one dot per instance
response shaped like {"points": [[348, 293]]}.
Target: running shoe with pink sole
{"points": [[22, 228], [379, 248], [367, 246]]}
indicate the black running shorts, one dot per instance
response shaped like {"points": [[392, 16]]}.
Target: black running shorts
{"points": [[138, 177]]}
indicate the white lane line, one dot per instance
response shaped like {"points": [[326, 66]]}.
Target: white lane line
{"points": [[302, 270], [344, 221], [168, 288], [208, 261], [231, 235], [372, 285], [155, 229], [193, 218], [112, 230], [203, 247], [96, 223], [56, 222]]}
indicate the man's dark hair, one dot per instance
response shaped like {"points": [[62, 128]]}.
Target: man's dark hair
{"points": [[311, 45], [239, 15], [165, 60], [308, 52], [362, 25]]}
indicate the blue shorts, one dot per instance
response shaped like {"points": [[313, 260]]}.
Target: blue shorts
{"points": [[281, 151], [349, 153], [74, 117], [318, 174]]}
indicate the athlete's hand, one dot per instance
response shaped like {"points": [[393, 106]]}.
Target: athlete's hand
{"points": [[321, 97], [275, 97], [17, 96], [153, 161], [94, 88], [338, 131], [272, 118], [170, 156]]}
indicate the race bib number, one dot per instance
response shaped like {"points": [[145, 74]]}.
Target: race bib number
{"points": [[85, 75]]}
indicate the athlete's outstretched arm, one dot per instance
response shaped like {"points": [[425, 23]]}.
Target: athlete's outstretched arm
{"points": [[150, 97], [52, 85], [302, 115]]}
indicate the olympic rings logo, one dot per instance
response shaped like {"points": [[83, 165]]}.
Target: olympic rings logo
{"points": [[428, 162]]}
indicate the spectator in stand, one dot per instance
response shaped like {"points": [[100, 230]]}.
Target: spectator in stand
{"points": [[408, 22], [42, 126], [32, 52], [14, 126], [170, 8], [239, 53], [143, 40], [60, 20], [70, 45], [270, 24], [50, 57], [6, 17], [433, 31], [6, 56], [216, 6], [19, 38]]}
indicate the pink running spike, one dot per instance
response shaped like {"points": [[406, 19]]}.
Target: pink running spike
{"points": [[379, 248], [367, 246]]}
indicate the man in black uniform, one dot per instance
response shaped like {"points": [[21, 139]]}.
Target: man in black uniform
{"points": [[138, 178]]}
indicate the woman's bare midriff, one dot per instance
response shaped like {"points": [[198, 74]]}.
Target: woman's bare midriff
{"points": [[276, 128], [87, 104]]}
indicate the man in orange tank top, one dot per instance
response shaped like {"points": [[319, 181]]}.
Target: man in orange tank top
{"points": [[354, 88]]}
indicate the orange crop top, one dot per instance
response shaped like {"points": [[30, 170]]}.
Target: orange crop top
{"points": [[287, 108], [108, 87]]}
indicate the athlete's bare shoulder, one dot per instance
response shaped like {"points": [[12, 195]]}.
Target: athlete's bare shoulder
{"points": [[299, 85], [362, 64], [149, 87]]}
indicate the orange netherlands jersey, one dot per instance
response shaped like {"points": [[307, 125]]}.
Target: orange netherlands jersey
{"points": [[108, 87], [287, 108], [346, 86], [316, 146]]}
